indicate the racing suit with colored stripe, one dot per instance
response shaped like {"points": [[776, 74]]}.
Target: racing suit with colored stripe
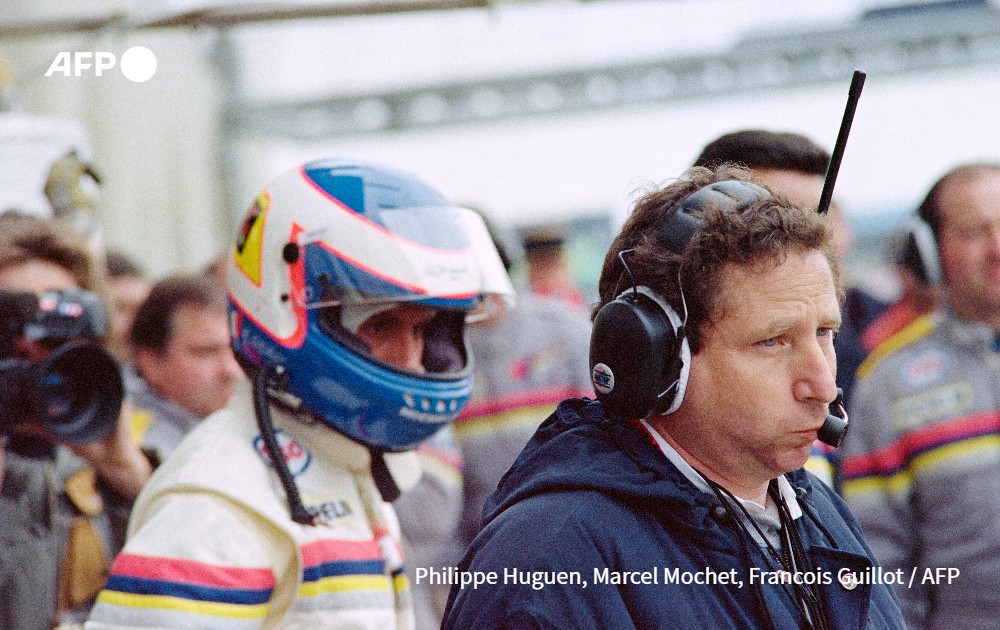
{"points": [[921, 465], [525, 364], [211, 543]]}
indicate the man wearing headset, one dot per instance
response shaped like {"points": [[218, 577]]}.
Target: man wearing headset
{"points": [[677, 499], [919, 468], [794, 166], [349, 287]]}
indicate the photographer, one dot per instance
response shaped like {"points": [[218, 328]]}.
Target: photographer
{"points": [[63, 505]]}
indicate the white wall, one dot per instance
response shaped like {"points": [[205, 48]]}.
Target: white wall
{"points": [[156, 144], [159, 147]]}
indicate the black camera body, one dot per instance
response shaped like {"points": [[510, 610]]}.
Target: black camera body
{"points": [[76, 391], [51, 318]]}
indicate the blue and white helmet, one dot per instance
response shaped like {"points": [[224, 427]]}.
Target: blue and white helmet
{"points": [[332, 240]]}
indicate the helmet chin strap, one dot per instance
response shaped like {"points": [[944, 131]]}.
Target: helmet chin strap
{"points": [[270, 377], [383, 477]]}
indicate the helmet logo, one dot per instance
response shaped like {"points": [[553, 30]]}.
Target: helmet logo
{"points": [[296, 456], [251, 238]]}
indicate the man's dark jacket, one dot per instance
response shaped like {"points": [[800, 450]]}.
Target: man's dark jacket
{"points": [[589, 493]]}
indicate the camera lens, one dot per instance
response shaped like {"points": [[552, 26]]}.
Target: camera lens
{"points": [[77, 393]]}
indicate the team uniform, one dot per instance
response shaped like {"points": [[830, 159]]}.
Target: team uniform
{"points": [[525, 365], [266, 571], [920, 463]]}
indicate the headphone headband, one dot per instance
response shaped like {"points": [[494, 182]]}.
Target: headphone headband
{"points": [[731, 195], [919, 251]]}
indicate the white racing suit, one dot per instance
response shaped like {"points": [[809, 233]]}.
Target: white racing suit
{"points": [[211, 544]]}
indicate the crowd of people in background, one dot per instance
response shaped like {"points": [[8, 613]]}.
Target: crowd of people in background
{"points": [[368, 502]]}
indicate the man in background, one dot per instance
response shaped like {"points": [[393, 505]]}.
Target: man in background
{"points": [[920, 462], [128, 287], [548, 270], [526, 361], [183, 359]]}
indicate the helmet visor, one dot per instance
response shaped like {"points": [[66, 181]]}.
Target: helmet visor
{"points": [[439, 256], [424, 342]]}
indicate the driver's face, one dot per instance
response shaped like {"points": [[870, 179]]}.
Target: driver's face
{"points": [[397, 335]]}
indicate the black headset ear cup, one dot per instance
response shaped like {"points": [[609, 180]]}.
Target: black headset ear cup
{"points": [[639, 353], [636, 356], [919, 252]]}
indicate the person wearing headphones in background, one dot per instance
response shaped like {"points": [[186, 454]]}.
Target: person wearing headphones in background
{"points": [[920, 463], [677, 499], [910, 243], [350, 285], [69, 468]]}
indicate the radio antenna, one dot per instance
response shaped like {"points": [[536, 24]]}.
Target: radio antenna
{"points": [[857, 82]]}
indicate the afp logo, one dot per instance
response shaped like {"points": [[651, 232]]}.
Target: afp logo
{"points": [[138, 64]]}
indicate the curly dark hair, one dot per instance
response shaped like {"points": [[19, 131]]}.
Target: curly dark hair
{"points": [[760, 234]]}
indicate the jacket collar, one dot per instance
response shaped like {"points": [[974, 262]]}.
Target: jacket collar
{"points": [[695, 477], [579, 448]]}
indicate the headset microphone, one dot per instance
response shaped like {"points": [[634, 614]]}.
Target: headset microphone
{"points": [[835, 427]]}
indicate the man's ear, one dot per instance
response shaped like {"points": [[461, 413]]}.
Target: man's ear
{"points": [[148, 364]]}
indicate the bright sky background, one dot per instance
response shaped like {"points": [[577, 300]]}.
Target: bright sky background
{"points": [[906, 133], [194, 185]]}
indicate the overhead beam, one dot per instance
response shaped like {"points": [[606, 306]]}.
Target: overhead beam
{"points": [[223, 15], [889, 44]]}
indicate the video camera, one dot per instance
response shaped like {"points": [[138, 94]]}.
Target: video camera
{"points": [[76, 391]]}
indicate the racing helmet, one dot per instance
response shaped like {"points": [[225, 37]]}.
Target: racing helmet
{"points": [[331, 241]]}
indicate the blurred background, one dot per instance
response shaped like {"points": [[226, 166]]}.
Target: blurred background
{"points": [[539, 112]]}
